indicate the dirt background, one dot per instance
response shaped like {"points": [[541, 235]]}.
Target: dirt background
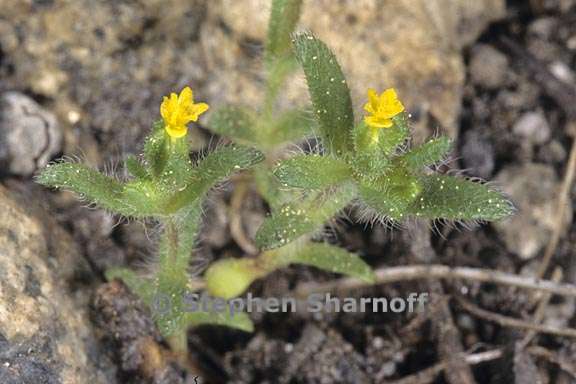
{"points": [[84, 79]]}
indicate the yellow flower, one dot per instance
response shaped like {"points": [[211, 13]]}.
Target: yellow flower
{"points": [[179, 110], [382, 108]]}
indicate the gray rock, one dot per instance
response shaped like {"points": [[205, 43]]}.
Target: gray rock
{"points": [[543, 27], [45, 333], [29, 134], [533, 188], [488, 67], [533, 127]]}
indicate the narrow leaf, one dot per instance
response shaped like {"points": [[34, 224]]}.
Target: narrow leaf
{"points": [[328, 90], [134, 167], [296, 219], [283, 19], [235, 122], [312, 171], [391, 194], [214, 168], [156, 149], [374, 147], [132, 199], [455, 198], [288, 127], [427, 154], [239, 320], [270, 188], [333, 259], [278, 71]]}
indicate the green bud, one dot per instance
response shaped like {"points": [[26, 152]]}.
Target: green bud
{"points": [[229, 278]]}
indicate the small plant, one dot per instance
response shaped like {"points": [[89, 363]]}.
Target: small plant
{"points": [[367, 163], [168, 187], [270, 130]]}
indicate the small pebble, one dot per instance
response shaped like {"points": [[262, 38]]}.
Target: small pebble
{"points": [[488, 67], [532, 126], [29, 135]]}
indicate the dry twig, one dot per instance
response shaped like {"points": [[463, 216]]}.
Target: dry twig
{"points": [[418, 272], [541, 309], [236, 228], [561, 204], [506, 321]]}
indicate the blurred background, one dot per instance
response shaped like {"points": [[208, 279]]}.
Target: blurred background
{"points": [[84, 79]]}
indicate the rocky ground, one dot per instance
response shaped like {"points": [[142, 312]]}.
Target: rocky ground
{"points": [[84, 79]]}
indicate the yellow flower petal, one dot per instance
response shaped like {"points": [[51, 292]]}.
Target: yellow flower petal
{"points": [[179, 110], [186, 96], [372, 105], [382, 108]]}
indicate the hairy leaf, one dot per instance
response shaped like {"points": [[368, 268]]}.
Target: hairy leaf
{"points": [[214, 168], [391, 194], [278, 71], [270, 188], [239, 320], [288, 127], [156, 149], [312, 171], [302, 217], [454, 198], [235, 122], [135, 199], [427, 154], [283, 19], [328, 90], [165, 299], [135, 168], [332, 259]]}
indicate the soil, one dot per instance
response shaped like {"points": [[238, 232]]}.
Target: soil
{"points": [[516, 127]]}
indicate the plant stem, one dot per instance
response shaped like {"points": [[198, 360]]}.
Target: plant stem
{"points": [[172, 238], [179, 345]]}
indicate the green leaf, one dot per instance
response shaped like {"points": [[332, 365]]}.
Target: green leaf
{"points": [[312, 171], [288, 127], [427, 154], [239, 321], [374, 147], [235, 122], [165, 301], [269, 187], [278, 71], [391, 194], [331, 259], [329, 92], [177, 171], [299, 218], [453, 198], [156, 149], [135, 199], [213, 169], [283, 19], [135, 168]]}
